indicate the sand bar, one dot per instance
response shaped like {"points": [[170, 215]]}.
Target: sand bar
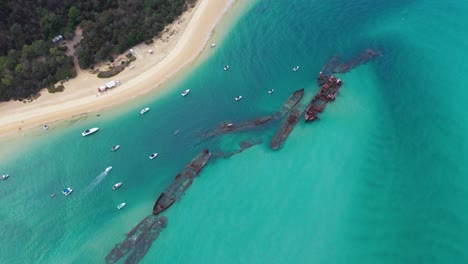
{"points": [[179, 45]]}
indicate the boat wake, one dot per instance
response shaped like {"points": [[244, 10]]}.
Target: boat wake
{"points": [[96, 182]]}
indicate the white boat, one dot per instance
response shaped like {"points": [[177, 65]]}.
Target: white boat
{"points": [[238, 98], [296, 68], [271, 91], [67, 191], [226, 67], [4, 176], [114, 148], [108, 169], [144, 110], [89, 131], [213, 45], [45, 126], [116, 186], [120, 206], [176, 132], [154, 155], [185, 92]]}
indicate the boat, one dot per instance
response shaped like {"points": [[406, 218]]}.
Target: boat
{"points": [[4, 176], [90, 131], [152, 156], [238, 98], [114, 148], [176, 132], [144, 110], [67, 191], [108, 169], [52, 195], [296, 68], [271, 91], [45, 126], [185, 92], [121, 205], [116, 186], [226, 67], [212, 45]]}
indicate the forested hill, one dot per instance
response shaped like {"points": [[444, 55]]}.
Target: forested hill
{"points": [[29, 60]]}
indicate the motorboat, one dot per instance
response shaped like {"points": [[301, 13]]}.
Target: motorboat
{"points": [[238, 98], [271, 91], [144, 110], [90, 131], [185, 92], [213, 45], [67, 191], [108, 169], [296, 68], [4, 176], [176, 132], [120, 206], [52, 195], [154, 155], [226, 67], [116, 186], [45, 126], [114, 148]]}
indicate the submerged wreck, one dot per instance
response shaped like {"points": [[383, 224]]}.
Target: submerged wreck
{"points": [[138, 240], [231, 127], [327, 93], [289, 104], [285, 128], [181, 182]]}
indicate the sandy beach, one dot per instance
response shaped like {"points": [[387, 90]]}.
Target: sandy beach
{"points": [[179, 44]]}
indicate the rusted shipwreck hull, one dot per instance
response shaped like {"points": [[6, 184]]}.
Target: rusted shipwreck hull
{"points": [[181, 182], [230, 127], [327, 93], [285, 128], [138, 240], [289, 104]]}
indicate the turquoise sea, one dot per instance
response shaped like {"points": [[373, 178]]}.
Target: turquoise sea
{"points": [[380, 178]]}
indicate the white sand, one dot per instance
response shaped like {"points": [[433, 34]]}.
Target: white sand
{"points": [[181, 43]]}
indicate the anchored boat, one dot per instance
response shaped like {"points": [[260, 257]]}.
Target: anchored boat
{"points": [[90, 131]]}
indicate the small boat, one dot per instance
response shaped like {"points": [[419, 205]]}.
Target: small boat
{"points": [[45, 126], [226, 67], [154, 155], [144, 110], [114, 148], [67, 191], [212, 45], [108, 169], [238, 98], [116, 186], [52, 195], [90, 131], [4, 176], [185, 92], [120, 206], [271, 91], [296, 68], [176, 132]]}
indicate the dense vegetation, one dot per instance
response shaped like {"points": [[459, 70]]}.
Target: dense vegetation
{"points": [[29, 60]]}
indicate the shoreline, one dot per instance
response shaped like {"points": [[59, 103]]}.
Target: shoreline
{"points": [[178, 45]]}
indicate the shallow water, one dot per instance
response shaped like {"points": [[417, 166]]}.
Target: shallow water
{"points": [[380, 178]]}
